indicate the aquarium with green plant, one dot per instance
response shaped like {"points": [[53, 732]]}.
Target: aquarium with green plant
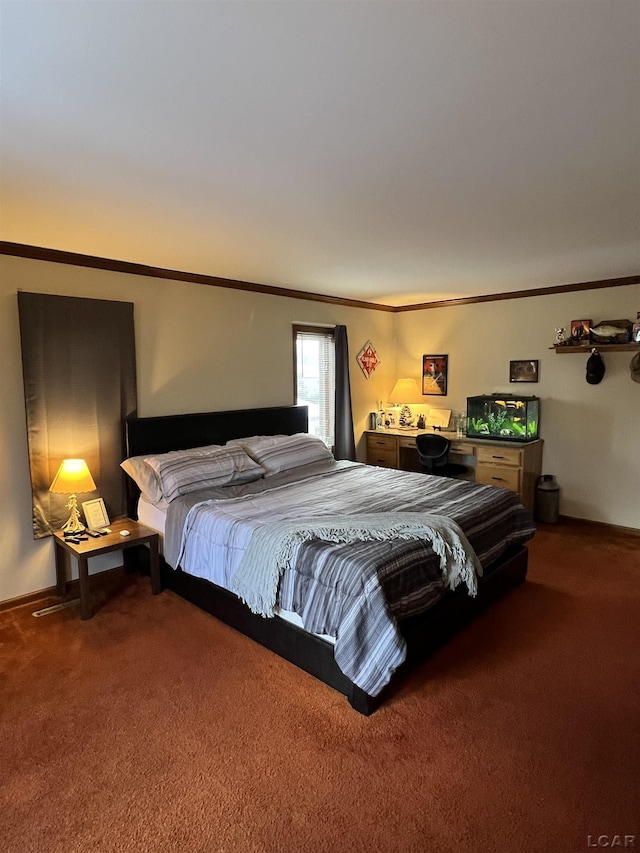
{"points": [[503, 418]]}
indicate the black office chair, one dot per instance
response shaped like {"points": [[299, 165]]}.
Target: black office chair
{"points": [[433, 452]]}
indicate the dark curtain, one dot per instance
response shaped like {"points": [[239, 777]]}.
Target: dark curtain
{"points": [[345, 446], [79, 370]]}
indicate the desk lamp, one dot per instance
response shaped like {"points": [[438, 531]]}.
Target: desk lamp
{"points": [[73, 476], [405, 391]]}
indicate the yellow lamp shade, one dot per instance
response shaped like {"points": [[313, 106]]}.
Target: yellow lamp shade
{"points": [[405, 391], [73, 476]]}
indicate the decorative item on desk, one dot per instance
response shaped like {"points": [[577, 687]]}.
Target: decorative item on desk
{"points": [[95, 514], [391, 417], [438, 418], [421, 422], [405, 391], [73, 476]]}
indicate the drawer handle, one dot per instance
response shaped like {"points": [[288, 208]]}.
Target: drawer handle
{"points": [[497, 457], [498, 478]]}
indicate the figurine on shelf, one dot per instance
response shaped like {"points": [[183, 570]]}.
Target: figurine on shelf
{"points": [[560, 335]]}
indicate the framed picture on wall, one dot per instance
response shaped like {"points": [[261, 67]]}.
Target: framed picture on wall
{"points": [[434, 374], [523, 371]]}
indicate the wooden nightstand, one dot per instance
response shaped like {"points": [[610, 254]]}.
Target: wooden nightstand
{"points": [[138, 535]]}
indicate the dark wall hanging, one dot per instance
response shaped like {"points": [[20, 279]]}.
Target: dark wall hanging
{"points": [[79, 371]]}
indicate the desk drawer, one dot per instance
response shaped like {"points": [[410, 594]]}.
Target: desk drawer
{"points": [[499, 455], [382, 458], [499, 475], [381, 442], [462, 447]]}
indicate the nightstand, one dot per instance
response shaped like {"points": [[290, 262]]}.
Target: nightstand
{"points": [[138, 535]]}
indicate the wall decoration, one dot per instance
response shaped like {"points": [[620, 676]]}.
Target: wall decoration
{"points": [[580, 331], [434, 374], [612, 332], [635, 333], [368, 359], [523, 371]]}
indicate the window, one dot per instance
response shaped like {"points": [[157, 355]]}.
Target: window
{"points": [[314, 378]]}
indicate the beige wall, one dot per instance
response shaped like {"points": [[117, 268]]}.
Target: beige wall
{"points": [[203, 348], [591, 432], [198, 349]]}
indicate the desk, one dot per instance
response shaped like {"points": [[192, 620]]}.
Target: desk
{"points": [[495, 463]]}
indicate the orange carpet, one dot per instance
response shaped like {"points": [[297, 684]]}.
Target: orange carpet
{"points": [[153, 727]]}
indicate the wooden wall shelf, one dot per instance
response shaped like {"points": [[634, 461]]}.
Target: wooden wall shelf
{"points": [[600, 347]]}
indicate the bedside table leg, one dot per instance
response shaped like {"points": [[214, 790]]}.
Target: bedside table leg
{"points": [[85, 594], [61, 569], [154, 565]]}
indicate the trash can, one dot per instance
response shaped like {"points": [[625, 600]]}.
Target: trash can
{"points": [[547, 499]]}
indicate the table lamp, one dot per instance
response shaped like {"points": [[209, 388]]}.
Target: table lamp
{"points": [[73, 476], [405, 391]]}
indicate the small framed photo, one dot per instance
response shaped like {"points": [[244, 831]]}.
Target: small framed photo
{"points": [[95, 514], [523, 371], [580, 331], [434, 374]]}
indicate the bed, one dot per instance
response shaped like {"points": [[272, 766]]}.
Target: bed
{"points": [[416, 620]]}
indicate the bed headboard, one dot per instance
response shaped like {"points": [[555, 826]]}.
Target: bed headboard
{"points": [[179, 432]]}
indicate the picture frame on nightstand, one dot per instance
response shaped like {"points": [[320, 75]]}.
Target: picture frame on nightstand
{"points": [[95, 514]]}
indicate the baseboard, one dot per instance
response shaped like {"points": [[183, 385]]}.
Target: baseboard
{"points": [[571, 521], [73, 590]]}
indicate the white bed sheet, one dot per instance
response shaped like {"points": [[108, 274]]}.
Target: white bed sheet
{"points": [[155, 516]]}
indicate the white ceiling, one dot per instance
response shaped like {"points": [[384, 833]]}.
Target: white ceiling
{"points": [[396, 152]]}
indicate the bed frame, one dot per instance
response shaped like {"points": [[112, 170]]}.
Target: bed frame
{"points": [[311, 653]]}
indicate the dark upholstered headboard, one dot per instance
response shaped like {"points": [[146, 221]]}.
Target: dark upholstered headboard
{"points": [[178, 432]]}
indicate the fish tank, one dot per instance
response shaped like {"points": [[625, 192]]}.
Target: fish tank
{"points": [[503, 418]]}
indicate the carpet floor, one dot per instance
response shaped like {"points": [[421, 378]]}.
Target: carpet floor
{"points": [[154, 727]]}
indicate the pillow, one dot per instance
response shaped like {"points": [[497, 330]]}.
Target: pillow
{"points": [[277, 453], [189, 471], [144, 477]]}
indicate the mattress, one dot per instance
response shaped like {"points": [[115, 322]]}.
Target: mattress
{"points": [[155, 516]]}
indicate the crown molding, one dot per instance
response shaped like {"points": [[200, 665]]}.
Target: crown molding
{"points": [[58, 256]]}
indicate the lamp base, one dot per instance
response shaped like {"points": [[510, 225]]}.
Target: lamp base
{"points": [[73, 523]]}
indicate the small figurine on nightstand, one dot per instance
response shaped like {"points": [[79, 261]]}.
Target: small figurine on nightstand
{"points": [[421, 421]]}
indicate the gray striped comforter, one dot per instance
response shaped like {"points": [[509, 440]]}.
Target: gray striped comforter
{"points": [[354, 592]]}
